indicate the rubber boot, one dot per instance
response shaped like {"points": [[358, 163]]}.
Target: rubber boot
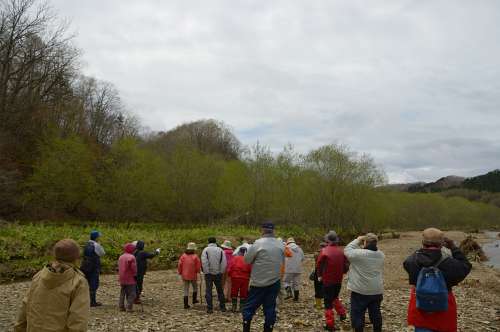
{"points": [[330, 320], [318, 304], [186, 302], [246, 326], [296, 296], [242, 304], [234, 303], [195, 298], [288, 293], [268, 328]]}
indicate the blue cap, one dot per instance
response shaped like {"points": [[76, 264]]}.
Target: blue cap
{"points": [[94, 234], [268, 225]]}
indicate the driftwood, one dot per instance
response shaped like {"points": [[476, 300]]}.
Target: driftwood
{"points": [[472, 249]]}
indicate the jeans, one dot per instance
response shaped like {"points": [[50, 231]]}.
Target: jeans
{"points": [[359, 304], [265, 296], [210, 280]]}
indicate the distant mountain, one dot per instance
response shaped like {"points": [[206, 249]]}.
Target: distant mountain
{"points": [[487, 182]]}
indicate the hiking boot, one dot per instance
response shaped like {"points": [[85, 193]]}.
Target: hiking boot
{"points": [[268, 328], [223, 308], [96, 304], [138, 300], [288, 293], [246, 326], [122, 309], [331, 328], [343, 318], [186, 302], [234, 305], [296, 296], [210, 311], [195, 298]]}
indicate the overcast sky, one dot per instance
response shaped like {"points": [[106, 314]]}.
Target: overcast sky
{"points": [[415, 84]]}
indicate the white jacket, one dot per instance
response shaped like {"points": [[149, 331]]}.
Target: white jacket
{"points": [[294, 264], [366, 269], [213, 260]]}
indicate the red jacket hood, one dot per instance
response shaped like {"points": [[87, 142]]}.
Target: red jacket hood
{"points": [[129, 248]]}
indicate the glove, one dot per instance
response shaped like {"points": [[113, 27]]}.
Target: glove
{"points": [[157, 250]]}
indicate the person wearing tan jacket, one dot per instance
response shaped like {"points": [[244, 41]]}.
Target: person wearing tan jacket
{"points": [[58, 298]]}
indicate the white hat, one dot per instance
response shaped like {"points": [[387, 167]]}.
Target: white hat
{"points": [[227, 244], [191, 246]]}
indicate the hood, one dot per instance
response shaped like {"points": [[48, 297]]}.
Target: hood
{"points": [[55, 274], [293, 247], [129, 248], [139, 245], [428, 257]]}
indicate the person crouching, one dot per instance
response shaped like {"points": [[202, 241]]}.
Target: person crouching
{"points": [[188, 268], [127, 271], [239, 272]]}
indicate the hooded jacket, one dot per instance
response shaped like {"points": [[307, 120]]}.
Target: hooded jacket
{"points": [[189, 266], [454, 270], [293, 264], [365, 270], [266, 255], [213, 260], [142, 257], [127, 267], [57, 301]]}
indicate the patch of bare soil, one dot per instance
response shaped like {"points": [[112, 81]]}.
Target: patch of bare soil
{"points": [[478, 301]]}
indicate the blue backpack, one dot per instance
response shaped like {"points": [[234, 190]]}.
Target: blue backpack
{"points": [[431, 290]]}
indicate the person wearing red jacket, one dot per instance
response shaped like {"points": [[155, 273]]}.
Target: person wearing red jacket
{"points": [[188, 268], [331, 266], [239, 272], [127, 270]]}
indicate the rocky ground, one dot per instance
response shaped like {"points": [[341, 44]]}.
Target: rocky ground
{"points": [[478, 301]]}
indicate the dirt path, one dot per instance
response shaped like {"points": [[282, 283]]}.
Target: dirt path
{"points": [[478, 301]]}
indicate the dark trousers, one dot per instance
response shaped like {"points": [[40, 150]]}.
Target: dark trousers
{"points": [[127, 294], [210, 281], [93, 281], [330, 293], [359, 304], [265, 296], [140, 280], [318, 289]]}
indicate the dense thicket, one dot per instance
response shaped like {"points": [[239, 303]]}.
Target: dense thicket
{"points": [[69, 149]]}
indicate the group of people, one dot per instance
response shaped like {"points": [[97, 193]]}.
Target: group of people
{"points": [[255, 274]]}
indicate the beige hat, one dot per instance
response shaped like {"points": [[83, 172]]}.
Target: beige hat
{"points": [[227, 244], [370, 237], [191, 246], [290, 240], [67, 250]]}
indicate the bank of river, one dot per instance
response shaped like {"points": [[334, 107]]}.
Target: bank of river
{"points": [[492, 249]]}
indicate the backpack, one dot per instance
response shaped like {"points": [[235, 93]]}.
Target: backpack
{"points": [[431, 290]]}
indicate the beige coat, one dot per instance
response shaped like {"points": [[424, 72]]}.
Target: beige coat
{"points": [[57, 301]]}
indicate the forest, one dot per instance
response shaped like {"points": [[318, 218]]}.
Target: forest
{"points": [[70, 149]]}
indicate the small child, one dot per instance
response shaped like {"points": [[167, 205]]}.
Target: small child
{"points": [[189, 267], [239, 272], [127, 270]]}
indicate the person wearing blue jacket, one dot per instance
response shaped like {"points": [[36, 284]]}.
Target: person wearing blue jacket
{"points": [[91, 265], [141, 258]]}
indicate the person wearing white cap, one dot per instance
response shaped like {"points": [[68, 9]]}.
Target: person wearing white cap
{"points": [[293, 269]]}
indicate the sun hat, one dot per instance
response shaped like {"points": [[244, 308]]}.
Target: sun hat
{"points": [[290, 240], [191, 246], [226, 244]]}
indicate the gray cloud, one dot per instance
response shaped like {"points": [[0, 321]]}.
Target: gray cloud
{"points": [[416, 84]]}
